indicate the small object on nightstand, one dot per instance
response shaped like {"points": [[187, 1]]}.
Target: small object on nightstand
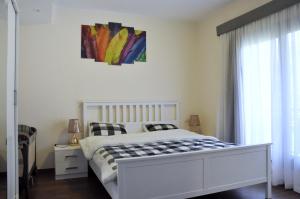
{"points": [[194, 123], [74, 129], [70, 162]]}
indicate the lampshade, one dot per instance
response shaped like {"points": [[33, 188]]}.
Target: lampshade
{"points": [[194, 120], [73, 126]]}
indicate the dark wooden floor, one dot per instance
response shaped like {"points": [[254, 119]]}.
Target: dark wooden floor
{"points": [[90, 188], [2, 186]]}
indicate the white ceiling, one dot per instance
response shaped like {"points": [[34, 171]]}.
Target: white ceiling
{"points": [[36, 11]]}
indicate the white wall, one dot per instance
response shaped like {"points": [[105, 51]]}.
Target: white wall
{"points": [[207, 73], [184, 64], [54, 80]]}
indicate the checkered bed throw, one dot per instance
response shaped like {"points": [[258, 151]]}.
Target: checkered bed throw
{"points": [[111, 153]]}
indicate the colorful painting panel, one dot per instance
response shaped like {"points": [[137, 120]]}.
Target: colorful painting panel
{"points": [[113, 43]]}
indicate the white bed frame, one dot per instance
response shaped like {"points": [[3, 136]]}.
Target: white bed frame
{"points": [[177, 175]]}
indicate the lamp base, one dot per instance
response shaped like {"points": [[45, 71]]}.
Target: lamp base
{"points": [[195, 129], [74, 145], [74, 141]]}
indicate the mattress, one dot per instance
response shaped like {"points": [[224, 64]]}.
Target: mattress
{"points": [[93, 144]]}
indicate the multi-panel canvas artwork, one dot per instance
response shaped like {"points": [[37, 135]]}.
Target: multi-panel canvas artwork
{"points": [[113, 43]]}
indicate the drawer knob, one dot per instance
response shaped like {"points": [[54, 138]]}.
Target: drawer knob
{"points": [[71, 168], [71, 156]]}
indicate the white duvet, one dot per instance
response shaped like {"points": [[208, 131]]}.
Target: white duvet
{"points": [[91, 144]]}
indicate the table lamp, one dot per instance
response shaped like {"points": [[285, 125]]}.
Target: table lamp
{"points": [[74, 129], [194, 123]]}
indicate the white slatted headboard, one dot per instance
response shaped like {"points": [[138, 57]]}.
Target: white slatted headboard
{"points": [[132, 114]]}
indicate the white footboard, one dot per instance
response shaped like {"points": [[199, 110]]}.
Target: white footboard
{"points": [[194, 174]]}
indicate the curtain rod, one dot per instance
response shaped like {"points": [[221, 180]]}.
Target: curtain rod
{"points": [[254, 15]]}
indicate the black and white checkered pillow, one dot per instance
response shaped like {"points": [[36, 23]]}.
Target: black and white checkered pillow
{"points": [[160, 127], [107, 129]]}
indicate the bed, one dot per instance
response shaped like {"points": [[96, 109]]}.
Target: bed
{"points": [[176, 175]]}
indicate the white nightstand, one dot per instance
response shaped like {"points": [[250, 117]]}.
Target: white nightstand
{"points": [[70, 163]]}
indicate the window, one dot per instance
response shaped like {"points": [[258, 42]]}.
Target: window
{"points": [[270, 94]]}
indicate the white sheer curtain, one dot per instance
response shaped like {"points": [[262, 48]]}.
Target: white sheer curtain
{"points": [[264, 59]]}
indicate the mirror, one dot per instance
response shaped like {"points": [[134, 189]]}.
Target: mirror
{"points": [[3, 55]]}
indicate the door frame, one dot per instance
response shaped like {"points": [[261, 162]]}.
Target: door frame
{"points": [[12, 142]]}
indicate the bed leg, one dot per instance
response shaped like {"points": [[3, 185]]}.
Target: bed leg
{"points": [[269, 174]]}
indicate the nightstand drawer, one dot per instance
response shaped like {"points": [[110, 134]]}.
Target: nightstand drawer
{"points": [[70, 168], [70, 163], [64, 156]]}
